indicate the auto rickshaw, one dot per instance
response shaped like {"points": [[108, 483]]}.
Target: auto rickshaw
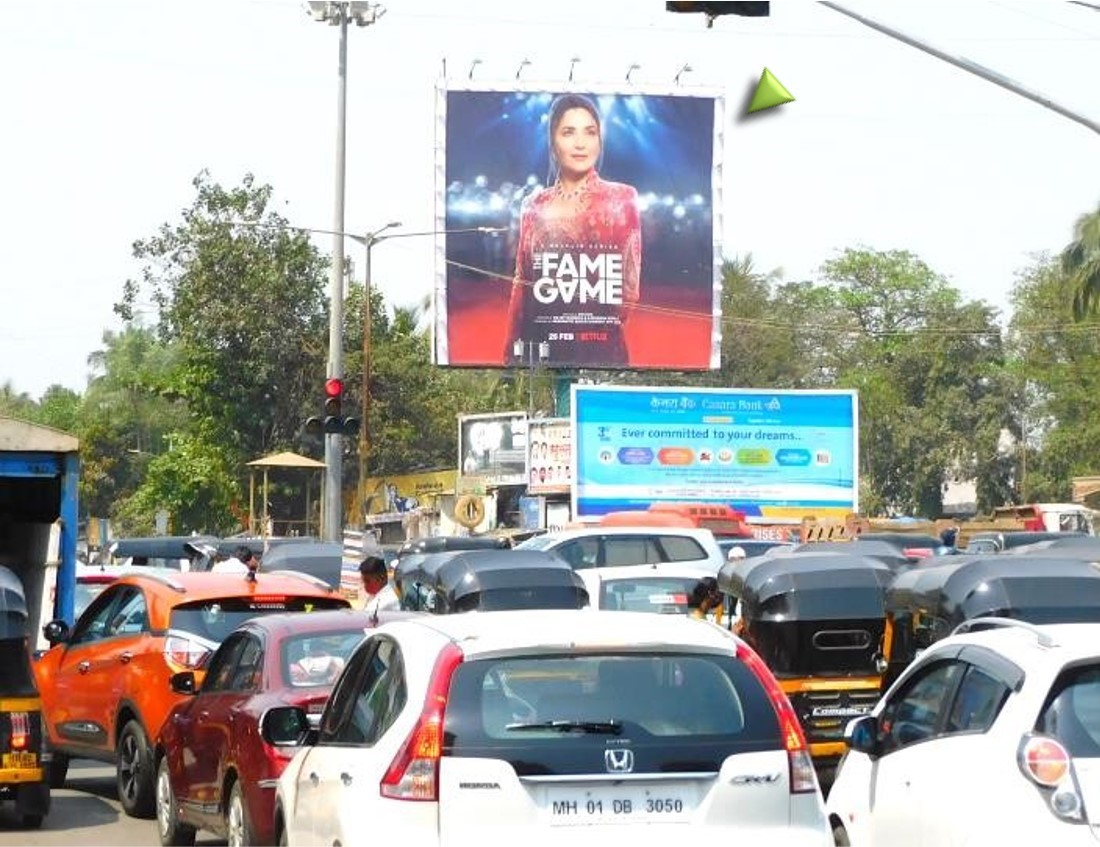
{"points": [[487, 580], [819, 623], [925, 604], [22, 742]]}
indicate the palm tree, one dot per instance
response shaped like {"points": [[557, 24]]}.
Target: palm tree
{"points": [[1081, 263]]}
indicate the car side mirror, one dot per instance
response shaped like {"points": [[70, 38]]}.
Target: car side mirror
{"points": [[861, 735], [56, 631], [183, 682], [287, 726]]}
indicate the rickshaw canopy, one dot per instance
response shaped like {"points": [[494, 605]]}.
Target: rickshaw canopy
{"points": [[805, 586], [464, 580], [1036, 588]]}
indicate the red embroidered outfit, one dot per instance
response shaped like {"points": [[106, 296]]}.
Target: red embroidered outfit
{"points": [[577, 275]]}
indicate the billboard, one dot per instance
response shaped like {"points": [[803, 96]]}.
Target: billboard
{"points": [[775, 455], [492, 449], [579, 227], [549, 456]]}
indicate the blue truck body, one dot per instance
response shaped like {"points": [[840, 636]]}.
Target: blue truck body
{"points": [[39, 476]]}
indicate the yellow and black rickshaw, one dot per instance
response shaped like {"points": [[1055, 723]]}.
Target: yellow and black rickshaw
{"points": [[926, 603], [819, 623], [22, 743]]}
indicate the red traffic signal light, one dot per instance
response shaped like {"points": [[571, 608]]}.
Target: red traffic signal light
{"points": [[334, 390]]}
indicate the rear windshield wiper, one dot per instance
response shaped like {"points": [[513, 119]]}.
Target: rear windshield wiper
{"points": [[595, 727]]}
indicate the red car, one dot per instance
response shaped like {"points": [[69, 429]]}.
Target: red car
{"points": [[214, 772]]}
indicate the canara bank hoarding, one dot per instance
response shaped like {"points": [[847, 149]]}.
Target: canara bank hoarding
{"points": [[772, 454], [578, 228]]}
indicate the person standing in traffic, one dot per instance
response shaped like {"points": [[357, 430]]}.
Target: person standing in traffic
{"points": [[243, 561], [376, 594]]}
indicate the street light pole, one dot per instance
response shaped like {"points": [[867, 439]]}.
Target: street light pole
{"points": [[368, 241], [338, 14]]}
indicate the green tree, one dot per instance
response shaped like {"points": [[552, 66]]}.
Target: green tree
{"points": [[1058, 358], [929, 369], [125, 416], [241, 304], [16, 404], [1081, 264]]}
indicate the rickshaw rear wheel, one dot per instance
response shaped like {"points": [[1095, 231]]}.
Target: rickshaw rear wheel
{"points": [[840, 836], [32, 803]]}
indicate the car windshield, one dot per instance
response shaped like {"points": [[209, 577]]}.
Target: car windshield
{"points": [[1072, 714], [316, 658], [214, 619], [667, 594], [85, 593]]}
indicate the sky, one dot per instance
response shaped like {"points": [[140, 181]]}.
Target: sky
{"points": [[111, 109]]}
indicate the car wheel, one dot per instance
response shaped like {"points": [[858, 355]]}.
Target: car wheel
{"points": [[172, 833], [135, 776], [57, 769], [840, 836], [237, 831], [31, 821]]}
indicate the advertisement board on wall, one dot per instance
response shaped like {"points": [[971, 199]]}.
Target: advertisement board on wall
{"points": [[771, 454], [549, 456], [580, 227], [492, 449]]}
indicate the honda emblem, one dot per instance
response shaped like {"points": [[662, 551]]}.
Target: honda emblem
{"points": [[619, 761]]}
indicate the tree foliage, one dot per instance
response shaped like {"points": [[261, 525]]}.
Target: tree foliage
{"points": [[235, 358]]}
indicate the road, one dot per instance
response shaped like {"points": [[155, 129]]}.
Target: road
{"points": [[85, 813]]}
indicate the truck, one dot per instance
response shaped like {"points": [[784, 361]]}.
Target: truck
{"points": [[39, 473]]}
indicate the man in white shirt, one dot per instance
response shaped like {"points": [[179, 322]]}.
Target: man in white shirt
{"points": [[243, 561], [376, 594]]}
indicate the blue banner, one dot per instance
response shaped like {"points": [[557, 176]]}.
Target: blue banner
{"points": [[771, 454]]}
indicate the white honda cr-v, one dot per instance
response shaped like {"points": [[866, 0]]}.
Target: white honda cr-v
{"points": [[549, 727]]}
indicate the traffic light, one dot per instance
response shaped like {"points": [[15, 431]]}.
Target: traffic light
{"points": [[713, 10], [332, 422]]}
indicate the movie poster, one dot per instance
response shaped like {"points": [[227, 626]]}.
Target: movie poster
{"points": [[580, 229]]}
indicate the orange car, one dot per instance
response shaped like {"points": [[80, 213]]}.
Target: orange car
{"points": [[105, 684]]}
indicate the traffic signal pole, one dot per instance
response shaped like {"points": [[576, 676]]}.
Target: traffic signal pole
{"points": [[332, 523]]}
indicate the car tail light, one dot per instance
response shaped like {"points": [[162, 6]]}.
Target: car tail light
{"points": [[20, 730], [414, 772], [802, 774], [185, 652], [1048, 764]]}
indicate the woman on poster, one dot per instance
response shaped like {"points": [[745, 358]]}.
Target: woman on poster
{"points": [[578, 261]]}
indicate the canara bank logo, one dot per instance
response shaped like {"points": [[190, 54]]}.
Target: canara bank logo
{"points": [[582, 278]]}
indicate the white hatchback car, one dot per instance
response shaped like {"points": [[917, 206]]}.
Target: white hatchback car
{"points": [[616, 546], [991, 736], [564, 727], [667, 588]]}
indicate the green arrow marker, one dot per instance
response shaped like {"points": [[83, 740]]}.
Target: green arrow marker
{"points": [[769, 93]]}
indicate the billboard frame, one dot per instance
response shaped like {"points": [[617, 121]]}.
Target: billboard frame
{"points": [[440, 348], [476, 481], [773, 513]]}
